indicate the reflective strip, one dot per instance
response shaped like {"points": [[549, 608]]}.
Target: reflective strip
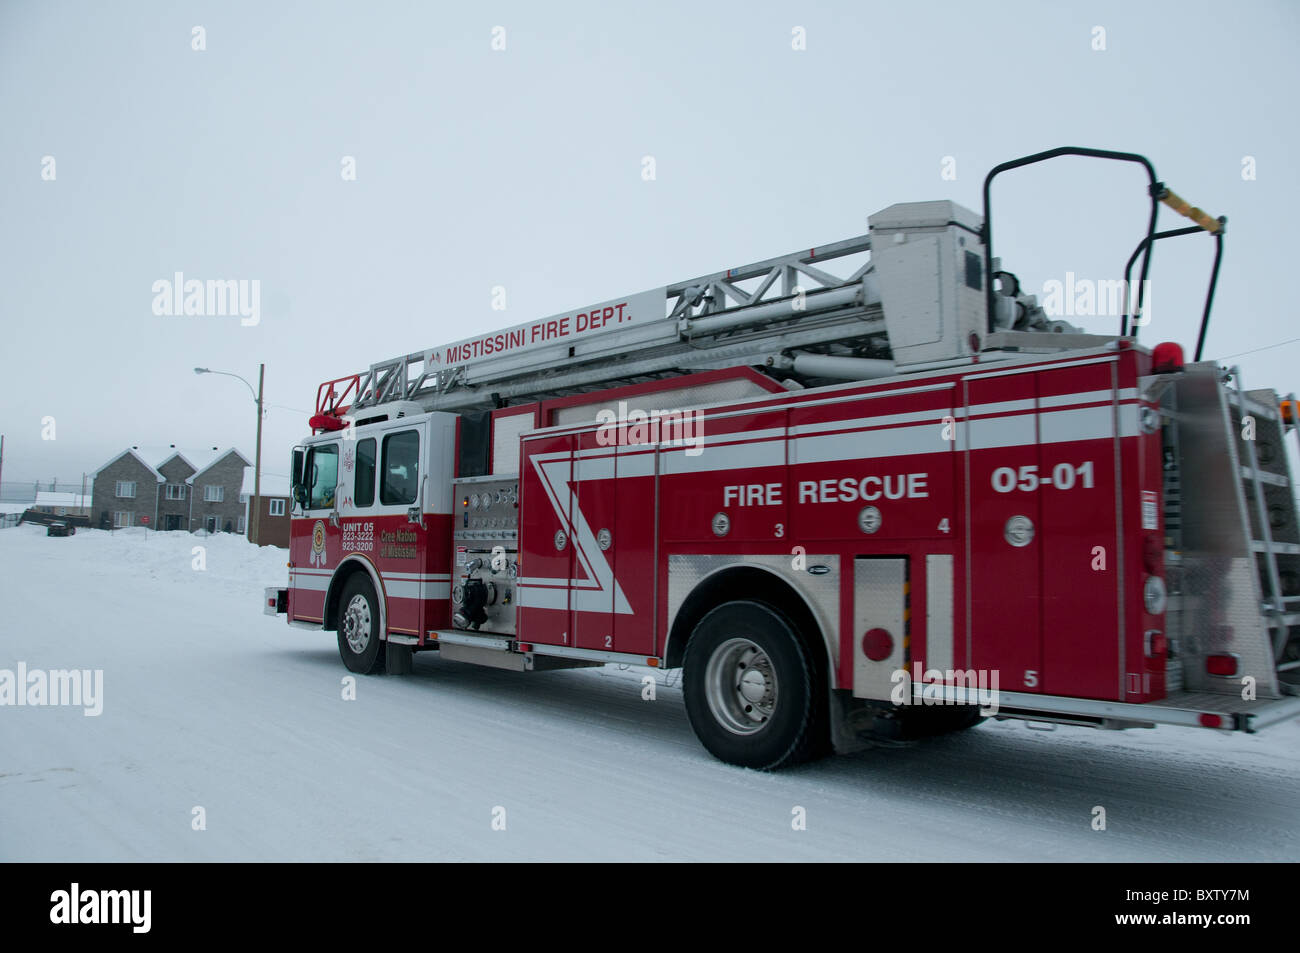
{"points": [[312, 582], [892, 442], [542, 598], [1085, 423], [739, 456], [416, 589]]}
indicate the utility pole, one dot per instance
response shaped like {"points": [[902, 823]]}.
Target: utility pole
{"points": [[254, 523], [257, 467]]}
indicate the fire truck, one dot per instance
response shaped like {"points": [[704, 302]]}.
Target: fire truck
{"points": [[860, 494]]}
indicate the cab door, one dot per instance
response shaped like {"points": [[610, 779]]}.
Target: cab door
{"points": [[384, 514], [315, 533]]}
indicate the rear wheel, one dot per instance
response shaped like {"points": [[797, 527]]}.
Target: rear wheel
{"points": [[749, 687], [359, 642]]}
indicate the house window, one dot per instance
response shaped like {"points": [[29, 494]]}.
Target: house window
{"points": [[125, 489], [239, 526], [277, 507], [175, 491], [122, 518], [214, 493]]}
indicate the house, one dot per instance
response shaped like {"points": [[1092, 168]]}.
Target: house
{"points": [[126, 492], [275, 506], [215, 493], [188, 490], [58, 503]]}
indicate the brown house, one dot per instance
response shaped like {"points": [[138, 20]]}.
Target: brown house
{"points": [[274, 507]]}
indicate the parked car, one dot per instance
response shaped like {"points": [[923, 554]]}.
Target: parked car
{"points": [[60, 529]]}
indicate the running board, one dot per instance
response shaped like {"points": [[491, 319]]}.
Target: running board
{"points": [[498, 651]]}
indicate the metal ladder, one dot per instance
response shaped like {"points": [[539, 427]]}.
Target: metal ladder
{"points": [[714, 321], [1274, 532]]}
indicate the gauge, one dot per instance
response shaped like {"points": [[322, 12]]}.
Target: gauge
{"points": [[474, 502]]}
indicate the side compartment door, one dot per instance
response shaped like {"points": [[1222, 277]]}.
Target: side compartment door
{"points": [[595, 550], [1078, 456], [1004, 539], [546, 501]]}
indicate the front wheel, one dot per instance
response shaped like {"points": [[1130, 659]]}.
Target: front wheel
{"points": [[359, 642], [749, 687]]}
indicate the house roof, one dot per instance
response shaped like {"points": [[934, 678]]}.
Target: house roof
{"points": [[214, 458], [177, 455], [59, 498], [272, 484], [140, 459]]}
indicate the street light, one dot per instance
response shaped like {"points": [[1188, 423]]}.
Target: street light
{"points": [[255, 528]]}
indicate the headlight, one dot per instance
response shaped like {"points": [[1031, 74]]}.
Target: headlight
{"points": [[1153, 594]]}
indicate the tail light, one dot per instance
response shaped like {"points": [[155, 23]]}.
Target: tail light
{"points": [[1222, 665]]}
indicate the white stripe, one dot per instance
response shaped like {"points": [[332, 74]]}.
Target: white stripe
{"points": [[314, 583], [990, 432], [426, 576], [740, 456], [540, 598], [413, 589], [860, 423], [896, 442], [1085, 423]]}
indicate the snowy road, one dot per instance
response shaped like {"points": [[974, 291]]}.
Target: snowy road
{"points": [[209, 704]]}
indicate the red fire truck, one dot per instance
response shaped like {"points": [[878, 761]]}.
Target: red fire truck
{"points": [[860, 493]]}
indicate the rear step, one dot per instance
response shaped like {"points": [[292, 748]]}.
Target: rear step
{"points": [[1186, 709]]}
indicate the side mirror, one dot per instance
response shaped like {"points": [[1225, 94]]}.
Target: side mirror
{"points": [[297, 488]]}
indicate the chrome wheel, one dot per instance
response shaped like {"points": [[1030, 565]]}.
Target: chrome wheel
{"points": [[356, 623], [740, 686]]}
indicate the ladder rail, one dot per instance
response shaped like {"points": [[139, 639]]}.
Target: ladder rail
{"points": [[704, 308], [1275, 607]]}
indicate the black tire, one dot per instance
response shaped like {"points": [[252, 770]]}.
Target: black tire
{"points": [[743, 726], [935, 720], [370, 658]]}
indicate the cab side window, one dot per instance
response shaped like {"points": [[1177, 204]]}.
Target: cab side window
{"points": [[324, 473], [400, 473], [363, 493]]}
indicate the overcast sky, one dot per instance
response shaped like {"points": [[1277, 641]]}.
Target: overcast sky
{"points": [[522, 168]]}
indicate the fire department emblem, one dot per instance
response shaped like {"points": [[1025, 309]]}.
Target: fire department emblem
{"points": [[318, 544]]}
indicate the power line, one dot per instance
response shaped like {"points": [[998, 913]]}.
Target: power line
{"points": [[1266, 347]]}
